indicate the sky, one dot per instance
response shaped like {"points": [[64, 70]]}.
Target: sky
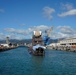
{"points": [[19, 18]]}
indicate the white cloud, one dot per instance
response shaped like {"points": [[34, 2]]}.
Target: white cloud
{"points": [[21, 33], [2, 36], [67, 6], [47, 11], [69, 10], [11, 36], [68, 13], [58, 32], [15, 36], [41, 27], [66, 31], [57, 35], [10, 29], [17, 31]]}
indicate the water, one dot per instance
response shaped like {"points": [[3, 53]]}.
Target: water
{"points": [[20, 62]]}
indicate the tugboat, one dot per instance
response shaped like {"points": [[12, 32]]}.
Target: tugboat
{"points": [[37, 47]]}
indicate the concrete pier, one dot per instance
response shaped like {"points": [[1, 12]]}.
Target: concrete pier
{"points": [[63, 48], [6, 48]]}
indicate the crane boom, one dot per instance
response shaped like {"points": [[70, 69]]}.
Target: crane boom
{"points": [[46, 38], [50, 31]]}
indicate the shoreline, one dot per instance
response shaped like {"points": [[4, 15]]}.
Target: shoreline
{"points": [[6, 48], [71, 49]]}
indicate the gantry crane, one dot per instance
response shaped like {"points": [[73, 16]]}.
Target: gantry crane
{"points": [[46, 38]]}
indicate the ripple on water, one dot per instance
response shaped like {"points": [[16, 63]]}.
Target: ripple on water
{"points": [[20, 62]]}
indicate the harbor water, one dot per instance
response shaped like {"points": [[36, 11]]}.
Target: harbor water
{"points": [[19, 62]]}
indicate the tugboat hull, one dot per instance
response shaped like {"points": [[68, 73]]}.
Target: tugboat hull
{"points": [[38, 52]]}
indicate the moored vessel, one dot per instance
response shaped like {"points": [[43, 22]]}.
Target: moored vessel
{"points": [[37, 47]]}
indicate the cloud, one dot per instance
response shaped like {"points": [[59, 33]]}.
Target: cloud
{"points": [[11, 36], [15, 36], [67, 6], [17, 31], [66, 29], [69, 10], [2, 36], [29, 30], [47, 11], [57, 35], [24, 33], [1, 10], [65, 32], [58, 32], [41, 27], [68, 13]]}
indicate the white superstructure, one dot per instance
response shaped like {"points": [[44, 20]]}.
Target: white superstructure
{"points": [[69, 41], [66, 45], [5, 45], [65, 42]]}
